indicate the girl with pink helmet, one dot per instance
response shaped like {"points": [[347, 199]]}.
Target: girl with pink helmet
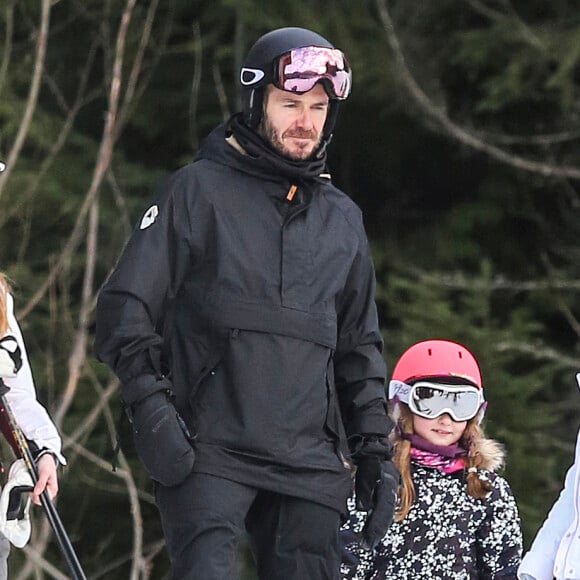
{"points": [[456, 518]]}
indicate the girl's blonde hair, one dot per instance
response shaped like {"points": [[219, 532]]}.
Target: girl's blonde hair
{"points": [[472, 436], [4, 288]]}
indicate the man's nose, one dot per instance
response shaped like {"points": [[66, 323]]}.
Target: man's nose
{"points": [[305, 119]]}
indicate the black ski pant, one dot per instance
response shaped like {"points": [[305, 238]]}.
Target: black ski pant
{"points": [[204, 517]]}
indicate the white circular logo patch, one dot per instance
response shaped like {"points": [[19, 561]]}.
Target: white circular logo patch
{"points": [[149, 217]]}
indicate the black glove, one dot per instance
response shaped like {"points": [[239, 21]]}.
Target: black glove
{"points": [[376, 484], [162, 440]]}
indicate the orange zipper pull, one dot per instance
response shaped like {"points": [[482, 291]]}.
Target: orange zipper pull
{"points": [[291, 192]]}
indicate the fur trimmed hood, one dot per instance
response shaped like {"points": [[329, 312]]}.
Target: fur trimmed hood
{"points": [[491, 452]]}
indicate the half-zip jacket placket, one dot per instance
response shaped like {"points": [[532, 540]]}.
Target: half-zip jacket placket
{"points": [[296, 258]]}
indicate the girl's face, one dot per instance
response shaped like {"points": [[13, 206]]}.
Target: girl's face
{"points": [[442, 430]]}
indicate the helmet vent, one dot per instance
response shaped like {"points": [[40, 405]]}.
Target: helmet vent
{"points": [[460, 354]]}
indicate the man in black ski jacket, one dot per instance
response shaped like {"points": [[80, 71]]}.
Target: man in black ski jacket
{"points": [[241, 322]]}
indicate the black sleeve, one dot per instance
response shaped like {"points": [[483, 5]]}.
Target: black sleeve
{"points": [[360, 370], [131, 303]]}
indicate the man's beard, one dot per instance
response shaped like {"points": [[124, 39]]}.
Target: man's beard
{"points": [[267, 131]]}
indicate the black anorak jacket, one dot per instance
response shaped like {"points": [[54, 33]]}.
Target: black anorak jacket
{"points": [[257, 307]]}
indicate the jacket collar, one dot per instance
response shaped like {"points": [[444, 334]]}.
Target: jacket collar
{"points": [[236, 145]]}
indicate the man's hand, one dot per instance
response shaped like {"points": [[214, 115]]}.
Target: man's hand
{"points": [[47, 478], [162, 440], [376, 484]]}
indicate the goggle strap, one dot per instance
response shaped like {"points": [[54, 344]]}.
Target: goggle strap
{"points": [[399, 390]]}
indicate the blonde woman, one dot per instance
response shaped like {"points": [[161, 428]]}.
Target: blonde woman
{"points": [[32, 417], [456, 519]]}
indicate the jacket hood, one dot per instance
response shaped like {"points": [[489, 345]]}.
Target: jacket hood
{"points": [[492, 453], [236, 145]]}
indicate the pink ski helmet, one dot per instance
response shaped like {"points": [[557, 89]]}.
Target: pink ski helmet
{"points": [[437, 359]]}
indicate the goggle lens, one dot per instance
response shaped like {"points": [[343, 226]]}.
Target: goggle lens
{"points": [[300, 69], [429, 400]]}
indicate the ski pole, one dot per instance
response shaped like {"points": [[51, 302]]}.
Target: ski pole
{"points": [[54, 520]]}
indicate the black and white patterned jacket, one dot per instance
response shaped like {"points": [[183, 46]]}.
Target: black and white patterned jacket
{"points": [[447, 534]]}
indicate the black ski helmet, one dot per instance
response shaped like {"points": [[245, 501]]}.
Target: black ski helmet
{"points": [[261, 66]]}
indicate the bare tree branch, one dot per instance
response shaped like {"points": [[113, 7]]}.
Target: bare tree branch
{"points": [[437, 114], [81, 100], [123, 472], [220, 90], [40, 563], [89, 421], [7, 49], [120, 202], [132, 82], [460, 281], [562, 305], [139, 562], [483, 8], [41, 42], [511, 18], [79, 352], [537, 140], [526, 32], [539, 352], [195, 84]]}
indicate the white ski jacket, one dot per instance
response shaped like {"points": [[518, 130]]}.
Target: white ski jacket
{"points": [[32, 417], [555, 552]]}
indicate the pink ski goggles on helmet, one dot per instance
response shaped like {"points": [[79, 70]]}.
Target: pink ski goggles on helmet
{"points": [[300, 69], [429, 400]]}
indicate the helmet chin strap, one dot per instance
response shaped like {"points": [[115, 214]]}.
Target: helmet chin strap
{"points": [[255, 106], [333, 106], [328, 128], [322, 147]]}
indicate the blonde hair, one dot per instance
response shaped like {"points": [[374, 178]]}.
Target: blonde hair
{"points": [[470, 440], [4, 288]]}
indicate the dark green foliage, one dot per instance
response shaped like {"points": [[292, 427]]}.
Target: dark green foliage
{"points": [[532, 399], [466, 247]]}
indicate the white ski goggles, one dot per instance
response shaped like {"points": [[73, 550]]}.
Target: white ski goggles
{"points": [[300, 69], [429, 400]]}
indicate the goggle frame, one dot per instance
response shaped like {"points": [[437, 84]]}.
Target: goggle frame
{"points": [[408, 394], [298, 71]]}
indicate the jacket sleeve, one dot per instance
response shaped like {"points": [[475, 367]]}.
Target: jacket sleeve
{"points": [[131, 303], [538, 563], [32, 417], [360, 369], [356, 562], [500, 536]]}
